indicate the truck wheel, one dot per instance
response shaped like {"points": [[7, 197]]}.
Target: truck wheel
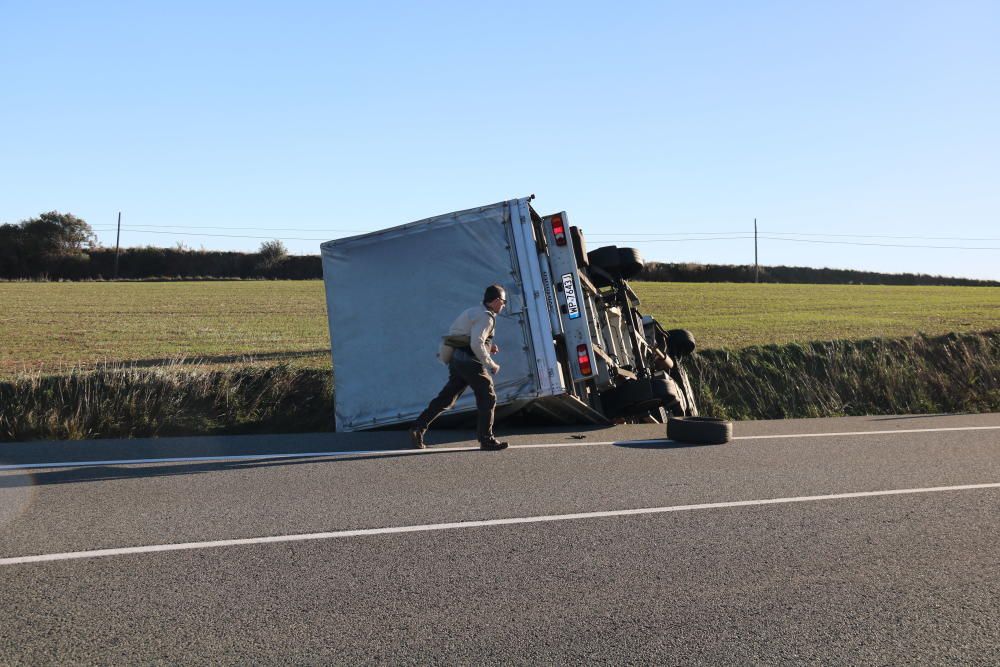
{"points": [[670, 395], [680, 377], [605, 258], [699, 430], [680, 342], [600, 277], [629, 263], [631, 398]]}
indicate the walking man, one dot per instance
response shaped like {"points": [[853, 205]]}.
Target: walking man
{"points": [[468, 350]]}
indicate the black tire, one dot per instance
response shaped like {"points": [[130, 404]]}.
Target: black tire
{"points": [[579, 246], [629, 263], [670, 395], [664, 387], [637, 396], [699, 430], [605, 258], [680, 377], [680, 342], [600, 277], [631, 398]]}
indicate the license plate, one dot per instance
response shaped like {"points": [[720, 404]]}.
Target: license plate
{"points": [[569, 289]]}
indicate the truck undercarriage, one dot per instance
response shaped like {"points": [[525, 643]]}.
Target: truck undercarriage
{"points": [[636, 369]]}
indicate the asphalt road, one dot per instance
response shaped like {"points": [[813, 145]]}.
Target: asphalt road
{"points": [[833, 541]]}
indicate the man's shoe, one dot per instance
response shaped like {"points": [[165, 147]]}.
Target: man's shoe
{"points": [[492, 445], [417, 438]]}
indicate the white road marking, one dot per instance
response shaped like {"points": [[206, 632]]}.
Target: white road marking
{"points": [[193, 459], [433, 450], [892, 432], [155, 548]]}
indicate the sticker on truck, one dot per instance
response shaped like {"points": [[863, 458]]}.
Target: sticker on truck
{"points": [[569, 289]]}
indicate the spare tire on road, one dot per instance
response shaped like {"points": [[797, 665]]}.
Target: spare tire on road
{"points": [[699, 430]]}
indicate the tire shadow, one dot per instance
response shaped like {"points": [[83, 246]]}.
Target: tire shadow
{"points": [[661, 444]]}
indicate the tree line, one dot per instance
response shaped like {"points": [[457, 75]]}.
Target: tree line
{"points": [[743, 273], [61, 246]]}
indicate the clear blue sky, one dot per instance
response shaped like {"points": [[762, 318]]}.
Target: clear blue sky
{"points": [[300, 119]]}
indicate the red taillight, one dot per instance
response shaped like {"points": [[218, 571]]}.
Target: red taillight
{"points": [[559, 230], [583, 356]]}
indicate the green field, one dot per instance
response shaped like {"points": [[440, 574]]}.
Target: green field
{"points": [[56, 326], [735, 315]]}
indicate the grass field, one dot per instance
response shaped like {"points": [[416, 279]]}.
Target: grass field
{"points": [[56, 326], [730, 315]]}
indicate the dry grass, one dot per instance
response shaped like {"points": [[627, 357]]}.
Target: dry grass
{"points": [[954, 373], [919, 374], [122, 401]]}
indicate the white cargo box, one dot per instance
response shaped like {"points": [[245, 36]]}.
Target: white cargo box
{"points": [[392, 294]]}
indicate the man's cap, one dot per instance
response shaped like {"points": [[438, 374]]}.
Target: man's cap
{"points": [[494, 292]]}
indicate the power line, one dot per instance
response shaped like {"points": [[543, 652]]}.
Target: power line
{"points": [[884, 245], [858, 243], [249, 229], [714, 236], [887, 236], [648, 236], [255, 229], [669, 234], [232, 236]]}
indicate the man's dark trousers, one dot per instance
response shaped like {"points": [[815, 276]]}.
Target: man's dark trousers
{"points": [[464, 371]]}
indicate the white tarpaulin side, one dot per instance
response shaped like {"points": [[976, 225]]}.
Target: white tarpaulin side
{"points": [[391, 295]]}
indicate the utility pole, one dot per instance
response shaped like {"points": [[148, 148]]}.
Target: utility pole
{"points": [[756, 268], [118, 243]]}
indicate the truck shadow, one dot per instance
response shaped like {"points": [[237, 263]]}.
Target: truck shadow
{"points": [[103, 473]]}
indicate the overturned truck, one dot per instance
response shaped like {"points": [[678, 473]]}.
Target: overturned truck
{"points": [[574, 346]]}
